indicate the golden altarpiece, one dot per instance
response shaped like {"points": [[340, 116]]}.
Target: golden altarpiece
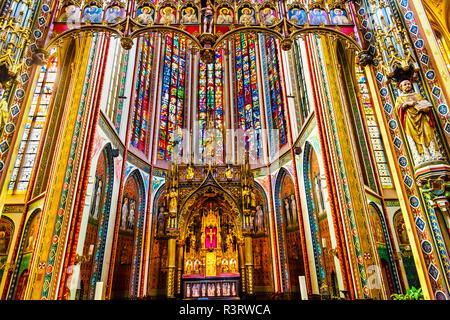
{"points": [[208, 223]]}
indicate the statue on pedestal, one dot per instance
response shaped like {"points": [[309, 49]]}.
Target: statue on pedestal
{"points": [[415, 114]]}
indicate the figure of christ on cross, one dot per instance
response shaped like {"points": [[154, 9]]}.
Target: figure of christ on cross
{"points": [[211, 238]]}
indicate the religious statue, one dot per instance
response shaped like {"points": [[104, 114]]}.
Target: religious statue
{"points": [[113, 15], [415, 114], [146, 16], [287, 211], [259, 219], [173, 201], [98, 195], [268, 17], [130, 222], [188, 268], [123, 218], [294, 209], [197, 265], [167, 16], [247, 17], [224, 16], [246, 196], [4, 114], [252, 198], [208, 18], [161, 220], [189, 16], [233, 265], [229, 173], [224, 265], [190, 173]]}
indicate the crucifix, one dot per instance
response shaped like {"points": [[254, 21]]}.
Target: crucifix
{"points": [[210, 233]]}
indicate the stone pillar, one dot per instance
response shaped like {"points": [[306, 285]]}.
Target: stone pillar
{"points": [[171, 267], [242, 265], [248, 256]]}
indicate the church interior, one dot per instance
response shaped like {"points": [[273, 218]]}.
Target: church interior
{"points": [[218, 149]]}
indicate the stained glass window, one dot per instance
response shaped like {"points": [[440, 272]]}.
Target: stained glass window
{"points": [[34, 125], [374, 133], [172, 96], [275, 102], [210, 109], [139, 123], [248, 104], [300, 76]]}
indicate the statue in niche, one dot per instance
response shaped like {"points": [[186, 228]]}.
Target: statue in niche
{"points": [[229, 173], [97, 197], [259, 219], [415, 114], [173, 201], [246, 196], [4, 114], [287, 211], [161, 220], [190, 173], [294, 210], [130, 222], [208, 18], [123, 218]]}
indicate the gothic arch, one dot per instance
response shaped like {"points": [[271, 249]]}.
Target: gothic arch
{"points": [[26, 250], [390, 252], [289, 245], [127, 267]]}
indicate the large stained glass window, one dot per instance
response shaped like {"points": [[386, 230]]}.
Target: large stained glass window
{"points": [[210, 109], [300, 76], [34, 126], [374, 133], [139, 123], [277, 120], [248, 103], [172, 97]]}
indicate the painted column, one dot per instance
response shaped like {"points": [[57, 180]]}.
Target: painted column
{"points": [[248, 257], [171, 267], [242, 265]]}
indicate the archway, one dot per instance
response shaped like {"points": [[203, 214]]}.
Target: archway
{"points": [[320, 231], [289, 245], [129, 242], [97, 226], [20, 276]]}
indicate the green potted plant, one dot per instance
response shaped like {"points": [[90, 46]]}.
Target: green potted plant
{"points": [[411, 294]]}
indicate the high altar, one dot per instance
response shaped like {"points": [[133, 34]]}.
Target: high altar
{"points": [[209, 214]]}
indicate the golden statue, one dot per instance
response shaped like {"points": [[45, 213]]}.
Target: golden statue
{"points": [[4, 114], [418, 124], [173, 201], [190, 173], [253, 198], [229, 173], [246, 196]]}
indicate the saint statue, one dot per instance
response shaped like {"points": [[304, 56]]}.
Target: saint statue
{"points": [[98, 195], [246, 196], [190, 173], [173, 201], [130, 222], [294, 210], [224, 16], [416, 116], [161, 220], [259, 219], [4, 114], [229, 173], [123, 218], [208, 18], [252, 198], [287, 211]]}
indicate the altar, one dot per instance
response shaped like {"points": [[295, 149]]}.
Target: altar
{"points": [[211, 287]]}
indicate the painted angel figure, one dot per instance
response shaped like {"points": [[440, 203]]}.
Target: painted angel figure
{"points": [[113, 15], [145, 16], [189, 16], [225, 16], [167, 16], [268, 17], [247, 17]]}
